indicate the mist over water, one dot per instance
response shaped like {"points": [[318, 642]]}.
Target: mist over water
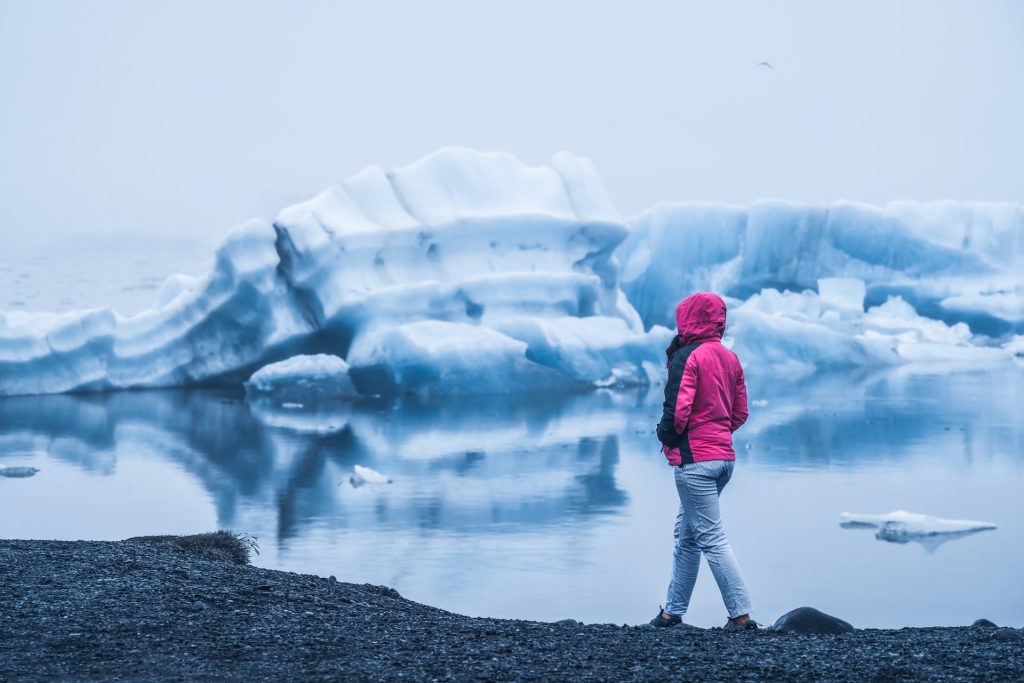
{"points": [[548, 508], [123, 272]]}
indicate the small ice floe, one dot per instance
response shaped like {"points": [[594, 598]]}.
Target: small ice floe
{"points": [[362, 476], [759, 403], [18, 472], [903, 527], [302, 381]]}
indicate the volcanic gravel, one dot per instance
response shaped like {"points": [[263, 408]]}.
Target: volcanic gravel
{"points": [[154, 610]]}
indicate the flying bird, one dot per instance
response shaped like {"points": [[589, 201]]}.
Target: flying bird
{"points": [[764, 64]]}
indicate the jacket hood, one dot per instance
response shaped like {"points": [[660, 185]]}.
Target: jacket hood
{"points": [[700, 317]]}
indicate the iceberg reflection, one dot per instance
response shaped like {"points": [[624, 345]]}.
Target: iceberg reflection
{"points": [[490, 465]]}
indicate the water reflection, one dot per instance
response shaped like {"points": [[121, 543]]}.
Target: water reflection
{"points": [[881, 418], [493, 464], [930, 542]]}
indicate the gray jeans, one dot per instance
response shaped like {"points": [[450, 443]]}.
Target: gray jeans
{"points": [[699, 529]]}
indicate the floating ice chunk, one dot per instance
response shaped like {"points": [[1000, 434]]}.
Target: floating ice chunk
{"points": [[903, 527], [914, 523], [18, 472], [362, 476], [787, 332], [303, 379]]}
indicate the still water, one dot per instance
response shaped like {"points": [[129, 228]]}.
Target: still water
{"points": [[549, 508]]}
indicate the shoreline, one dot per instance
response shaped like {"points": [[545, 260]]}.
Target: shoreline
{"points": [[167, 608]]}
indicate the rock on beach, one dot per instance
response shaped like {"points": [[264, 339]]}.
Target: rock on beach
{"points": [[810, 621]]}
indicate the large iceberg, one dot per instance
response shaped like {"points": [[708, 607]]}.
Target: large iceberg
{"points": [[952, 261], [464, 272], [472, 273]]}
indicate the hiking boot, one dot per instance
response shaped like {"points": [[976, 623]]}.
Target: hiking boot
{"points": [[662, 621], [731, 626]]}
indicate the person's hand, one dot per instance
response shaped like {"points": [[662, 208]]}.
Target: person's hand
{"points": [[672, 455]]}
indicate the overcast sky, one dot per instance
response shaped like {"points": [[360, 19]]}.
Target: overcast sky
{"points": [[186, 118]]}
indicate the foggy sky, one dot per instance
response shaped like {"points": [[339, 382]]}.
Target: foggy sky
{"points": [[188, 117]]}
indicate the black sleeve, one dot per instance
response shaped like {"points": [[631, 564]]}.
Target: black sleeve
{"points": [[666, 428]]}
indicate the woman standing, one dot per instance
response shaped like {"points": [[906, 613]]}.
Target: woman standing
{"points": [[705, 402]]}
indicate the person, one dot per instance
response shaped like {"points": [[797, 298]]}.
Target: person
{"points": [[705, 402]]}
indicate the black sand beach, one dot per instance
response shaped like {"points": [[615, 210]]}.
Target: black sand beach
{"points": [[154, 609]]}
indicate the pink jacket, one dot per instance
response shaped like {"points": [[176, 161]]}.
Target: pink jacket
{"points": [[705, 397]]}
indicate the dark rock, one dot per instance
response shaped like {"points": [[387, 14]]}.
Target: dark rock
{"points": [[568, 622], [983, 623], [1007, 634], [807, 620]]}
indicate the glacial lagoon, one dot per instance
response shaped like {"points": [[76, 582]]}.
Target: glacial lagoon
{"points": [[553, 507]]}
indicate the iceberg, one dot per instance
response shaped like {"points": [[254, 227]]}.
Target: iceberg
{"points": [[461, 272], [469, 273], [800, 332], [953, 261], [913, 524], [903, 527]]}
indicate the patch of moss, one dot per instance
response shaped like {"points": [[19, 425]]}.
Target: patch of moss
{"points": [[223, 545]]}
